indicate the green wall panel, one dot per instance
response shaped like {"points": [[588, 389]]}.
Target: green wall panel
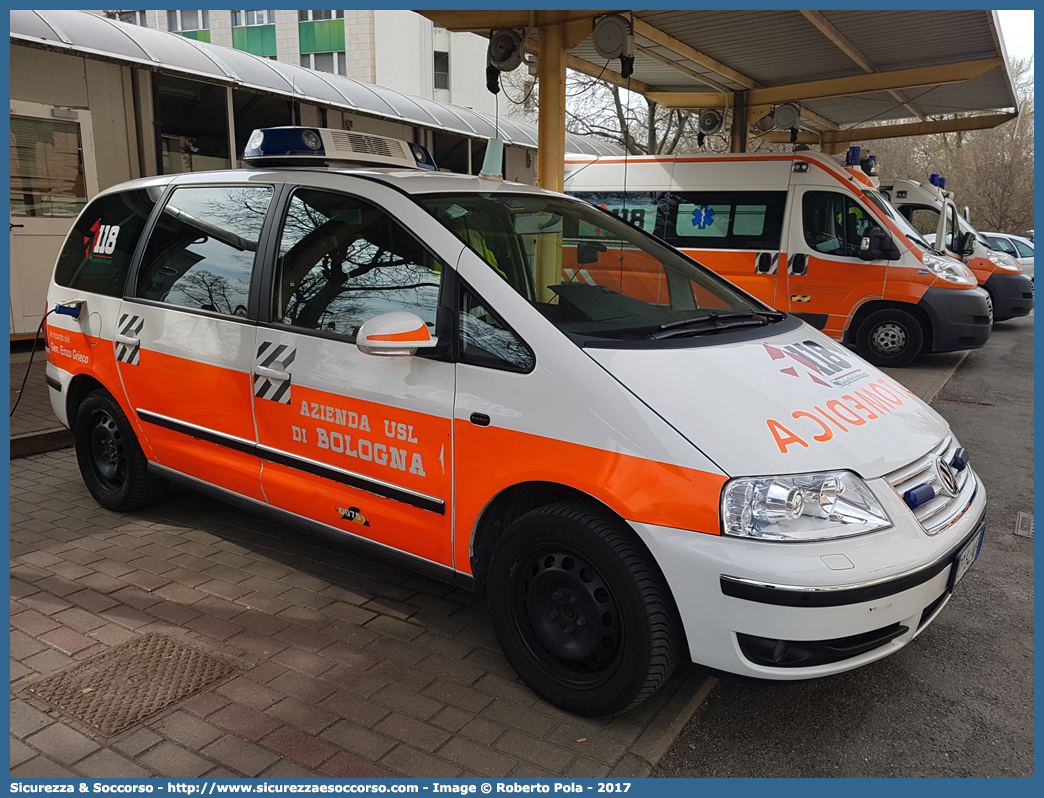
{"points": [[326, 36], [256, 39], [198, 35]]}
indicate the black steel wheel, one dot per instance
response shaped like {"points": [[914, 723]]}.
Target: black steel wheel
{"points": [[581, 609], [111, 461], [889, 337]]}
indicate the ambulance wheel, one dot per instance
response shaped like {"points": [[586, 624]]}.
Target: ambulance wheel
{"points": [[111, 461], [889, 337], [581, 610]]}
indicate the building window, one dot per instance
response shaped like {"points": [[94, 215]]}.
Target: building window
{"points": [[441, 70], [321, 38], [316, 16], [192, 124], [324, 62], [246, 18], [132, 17], [47, 176], [179, 21], [254, 32]]}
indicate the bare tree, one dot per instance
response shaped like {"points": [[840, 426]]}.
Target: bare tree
{"points": [[990, 171]]}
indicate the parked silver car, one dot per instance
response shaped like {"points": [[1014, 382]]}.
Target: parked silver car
{"points": [[1016, 246]]}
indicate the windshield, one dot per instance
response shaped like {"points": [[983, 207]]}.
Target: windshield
{"points": [[590, 273], [890, 211]]}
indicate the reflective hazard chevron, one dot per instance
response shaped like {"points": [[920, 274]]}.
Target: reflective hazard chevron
{"points": [[129, 326], [279, 357]]}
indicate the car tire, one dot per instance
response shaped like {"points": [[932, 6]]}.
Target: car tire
{"points": [[111, 461], [889, 337], [581, 610], [989, 309]]}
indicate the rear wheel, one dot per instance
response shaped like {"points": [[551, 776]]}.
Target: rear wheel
{"points": [[889, 337], [111, 461], [581, 611]]}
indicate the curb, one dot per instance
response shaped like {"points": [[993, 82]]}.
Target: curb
{"points": [[661, 734], [944, 377], [47, 440]]}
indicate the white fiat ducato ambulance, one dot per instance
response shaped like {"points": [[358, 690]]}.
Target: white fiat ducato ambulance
{"points": [[930, 209], [511, 390], [805, 235]]}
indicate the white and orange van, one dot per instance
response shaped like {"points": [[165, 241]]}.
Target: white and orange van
{"points": [[511, 390], [805, 235], [929, 208]]}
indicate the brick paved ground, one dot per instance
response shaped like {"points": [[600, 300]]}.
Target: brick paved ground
{"points": [[34, 412], [346, 666]]}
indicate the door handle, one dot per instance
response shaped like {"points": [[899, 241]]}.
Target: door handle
{"points": [[126, 339], [272, 374], [764, 263], [13, 226], [799, 264]]}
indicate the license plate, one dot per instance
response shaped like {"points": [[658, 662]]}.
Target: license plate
{"points": [[968, 555]]}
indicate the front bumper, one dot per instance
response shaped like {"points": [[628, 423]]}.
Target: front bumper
{"points": [[865, 597], [960, 318], [1012, 295]]}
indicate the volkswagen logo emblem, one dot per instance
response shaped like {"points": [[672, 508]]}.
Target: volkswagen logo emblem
{"points": [[946, 477]]}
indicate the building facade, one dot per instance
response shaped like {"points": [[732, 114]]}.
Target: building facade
{"points": [[398, 49]]}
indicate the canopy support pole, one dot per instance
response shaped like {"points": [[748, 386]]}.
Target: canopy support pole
{"points": [[551, 71]]}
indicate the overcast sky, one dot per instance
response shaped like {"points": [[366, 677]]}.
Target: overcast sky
{"points": [[1017, 28]]}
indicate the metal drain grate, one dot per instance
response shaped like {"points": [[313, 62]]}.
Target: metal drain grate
{"points": [[1024, 525], [968, 398], [115, 690]]}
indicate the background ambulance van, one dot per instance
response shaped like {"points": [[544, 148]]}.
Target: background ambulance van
{"points": [[513, 391], [801, 233], [930, 210]]}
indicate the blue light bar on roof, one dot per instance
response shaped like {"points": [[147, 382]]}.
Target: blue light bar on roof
{"points": [[314, 146]]}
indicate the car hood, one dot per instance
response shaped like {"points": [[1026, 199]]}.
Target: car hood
{"points": [[785, 404]]}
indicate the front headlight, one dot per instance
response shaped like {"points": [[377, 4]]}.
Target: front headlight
{"points": [[1004, 260], [802, 507], [953, 271]]}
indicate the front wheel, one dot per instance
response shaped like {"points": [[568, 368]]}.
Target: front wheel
{"points": [[581, 610], [111, 461], [889, 337]]}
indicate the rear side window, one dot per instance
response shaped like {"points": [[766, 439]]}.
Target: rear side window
{"points": [[1025, 250], [643, 209], [98, 251], [201, 253], [727, 219]]}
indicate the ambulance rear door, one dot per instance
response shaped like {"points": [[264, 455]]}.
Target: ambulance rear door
{"points": [[184, 336], [359, 443]]}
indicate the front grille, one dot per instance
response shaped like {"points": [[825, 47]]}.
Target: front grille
{"points": [[944, 510]]}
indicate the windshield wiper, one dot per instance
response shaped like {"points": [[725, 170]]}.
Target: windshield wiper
{"points": [[715, 322]]}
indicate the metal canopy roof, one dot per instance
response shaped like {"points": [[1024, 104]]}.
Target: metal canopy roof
{"points": [[845, 69], [91, 36]]}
